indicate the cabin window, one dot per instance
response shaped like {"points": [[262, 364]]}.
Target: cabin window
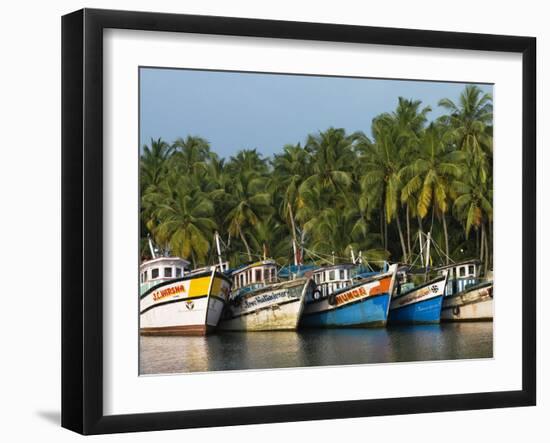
{"points": [[168, 272], [178, 272], [471, 270], [273, 274], [154, 273], [322, 276], [241, 279], [141, 278], [258, 276], [462, 271], [331, 275], [266, 274], [342, 274]]}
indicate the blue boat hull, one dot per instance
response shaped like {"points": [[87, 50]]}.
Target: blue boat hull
{"points": [[424, 311], [369, 312]]}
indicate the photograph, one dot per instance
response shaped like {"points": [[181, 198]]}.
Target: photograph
{"points": [[294, 220]]}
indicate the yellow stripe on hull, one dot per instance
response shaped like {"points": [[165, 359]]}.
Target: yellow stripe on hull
{"points": [[199, 287]]}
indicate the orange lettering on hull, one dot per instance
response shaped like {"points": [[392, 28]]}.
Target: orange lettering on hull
{"points": [[167, 292], [361, 292]]}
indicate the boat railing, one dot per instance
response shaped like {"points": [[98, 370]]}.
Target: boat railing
{"points": [[243, 290], [459, 284], [327, 288]]}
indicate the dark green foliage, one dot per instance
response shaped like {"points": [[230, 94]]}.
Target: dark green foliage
{"points": [[344, 192]]}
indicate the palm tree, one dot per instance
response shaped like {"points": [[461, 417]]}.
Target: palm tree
{"points": [[272, 236], [182, 221], [337, 232], [289, 171], [381, 183], [248, 201], [473, 206], [409, 119], [429, 179], [331, 161], [191, 154], [248, 162], [471, 120], [153, 163]]}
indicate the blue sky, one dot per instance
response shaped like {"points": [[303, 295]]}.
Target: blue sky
{"points": [[235, 111]]}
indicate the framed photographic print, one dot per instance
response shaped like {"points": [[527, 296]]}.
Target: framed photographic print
{"points": [[269, 221]]}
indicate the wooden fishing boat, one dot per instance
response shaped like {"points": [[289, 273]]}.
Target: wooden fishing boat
{"points": [[340, 300], [176, 301], [468, 297], [259, 302], [419, 304]]}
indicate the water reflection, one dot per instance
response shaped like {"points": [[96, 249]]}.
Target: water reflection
{"points": [[322, 347]]}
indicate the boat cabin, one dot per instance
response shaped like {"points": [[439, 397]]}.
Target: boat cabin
{"points": [[332, 278], [255, 275], [461, 276], [161, 269]]}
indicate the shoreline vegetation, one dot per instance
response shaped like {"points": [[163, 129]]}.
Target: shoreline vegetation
{"points": [[335, 193]]}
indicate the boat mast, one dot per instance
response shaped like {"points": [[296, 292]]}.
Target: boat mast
{"points": [[219, 249], [297, 261], [420, 240], [151, 248], [428, 240]]}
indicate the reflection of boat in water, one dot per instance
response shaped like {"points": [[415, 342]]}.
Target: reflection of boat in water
{"points": [[176, 302], [343, 301], [258, 302], [467, 297]]}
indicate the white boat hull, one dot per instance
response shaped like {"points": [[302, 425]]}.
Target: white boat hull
{"points": [[469, 305], [275, 307], [188, 306]]}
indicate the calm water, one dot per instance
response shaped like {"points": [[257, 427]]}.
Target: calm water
{"points": [[259, 350]]}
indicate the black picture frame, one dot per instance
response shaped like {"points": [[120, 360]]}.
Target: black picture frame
{"points": [[82, 215]]}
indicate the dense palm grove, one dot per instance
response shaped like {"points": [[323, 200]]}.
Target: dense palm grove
{"points": [[338, 192]]}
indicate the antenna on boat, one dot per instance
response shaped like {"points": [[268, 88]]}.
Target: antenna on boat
{"points": [[151, 248]]}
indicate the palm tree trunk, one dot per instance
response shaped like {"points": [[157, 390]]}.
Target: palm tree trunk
{"points": [[420, 224], [482, 243], [401, 238], [409, 251], [385, 226], [490, 241], [385, 235], [486, 254], [245, 244], [446, 239], [382, 222]]}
